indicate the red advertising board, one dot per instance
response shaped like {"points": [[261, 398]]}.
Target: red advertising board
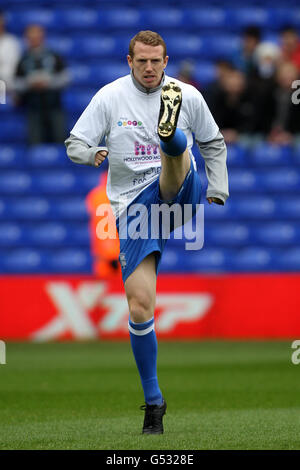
{"points": [[44, 308]]}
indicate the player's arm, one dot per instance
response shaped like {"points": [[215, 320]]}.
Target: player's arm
{"points": [[213, 149], [80, 152], [214, 153], [90, 129]]}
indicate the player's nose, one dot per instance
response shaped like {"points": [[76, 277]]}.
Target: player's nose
{"points": [[148, 66]]}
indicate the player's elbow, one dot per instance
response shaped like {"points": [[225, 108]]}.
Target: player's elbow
{"points": [[77, 150]]}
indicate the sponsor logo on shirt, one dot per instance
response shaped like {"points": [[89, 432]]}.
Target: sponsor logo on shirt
{"points": [[124, 123], [144, 153], [141, 149]]}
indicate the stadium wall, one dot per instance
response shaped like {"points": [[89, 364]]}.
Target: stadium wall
{"points": [[256, 306]]}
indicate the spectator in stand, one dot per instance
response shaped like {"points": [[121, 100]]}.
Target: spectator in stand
{"points": [[10, 52], [266, 59], [244, 60], [262, 85], [285, 114], [186, 73], [290, 46], [223, 68], [233, 107], [40, 78]]}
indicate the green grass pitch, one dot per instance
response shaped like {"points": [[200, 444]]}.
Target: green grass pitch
{"points": [[220, 395]]}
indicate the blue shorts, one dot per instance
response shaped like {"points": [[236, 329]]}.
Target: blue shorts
{"points": [[133, 251]]}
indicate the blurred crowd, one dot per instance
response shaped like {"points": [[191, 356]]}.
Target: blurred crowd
{"points": [[35, 78], [251, 94]]}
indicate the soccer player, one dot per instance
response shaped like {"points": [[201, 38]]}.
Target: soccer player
{"points": [[147, 119]]}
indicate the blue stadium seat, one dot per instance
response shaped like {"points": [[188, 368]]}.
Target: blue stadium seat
{"points": [[289, 260], [286, 15], [15, 182], [266, 154], [237, 155], [112, 72], [279, 180], [28, 208], [226, 234], [296, 154], [210, 18], [58, 234], [48, 155], [295, 16], [6, 106], [77, 18], [172, 260], [56, 182], [13, 129], [99, 46], [82, 74], [243, 181], [11, 234], [94, 75], [17, 20], [80, 234], [4, 209], [276, 234], [214, 212], [207, 260], [12, 156], [73, 209], [289, 207], [205, 72], [69, 261], [88, 180], [66, 46], [220, 45], [157, 18], [77, 100], [252, 259], [23, 260], [245, 16], [20, 3], [186, 46], [121, 18], [255, 208], [49, 234], [72, 118]]}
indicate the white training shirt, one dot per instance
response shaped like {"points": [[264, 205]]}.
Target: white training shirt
{"points": [[10, 53], [127, 117]]}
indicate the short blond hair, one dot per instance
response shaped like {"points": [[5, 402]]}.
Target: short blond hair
{"points": [[150, 38]]}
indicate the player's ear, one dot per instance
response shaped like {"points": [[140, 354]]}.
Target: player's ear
{"points": [[129, 60], [166, 61]]}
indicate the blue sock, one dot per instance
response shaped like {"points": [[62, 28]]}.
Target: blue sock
{"points": [[144, 347], [176, 146]]}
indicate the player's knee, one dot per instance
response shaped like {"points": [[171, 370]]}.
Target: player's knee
{"points": [[141, 308]]}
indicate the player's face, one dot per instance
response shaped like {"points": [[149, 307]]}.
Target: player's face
{"points": [[147, 64]]}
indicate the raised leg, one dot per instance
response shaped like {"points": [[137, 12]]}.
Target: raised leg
{"points": [[175, 159]]}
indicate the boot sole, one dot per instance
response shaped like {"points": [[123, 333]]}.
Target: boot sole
{"points": [[170, 104]]}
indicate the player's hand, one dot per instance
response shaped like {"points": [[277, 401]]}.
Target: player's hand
{"points": [[216, 200], [100, 157]]}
